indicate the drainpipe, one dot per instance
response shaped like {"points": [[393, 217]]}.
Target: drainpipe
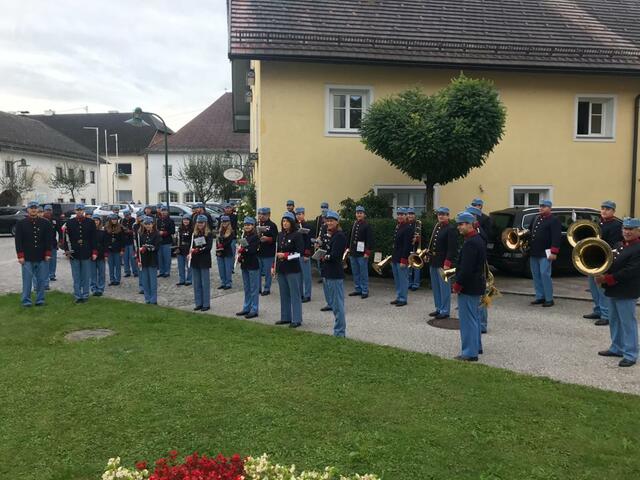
{"points": [[634, 164]]}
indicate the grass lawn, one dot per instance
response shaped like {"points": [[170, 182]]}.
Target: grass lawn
{"points": [[171, 379]]}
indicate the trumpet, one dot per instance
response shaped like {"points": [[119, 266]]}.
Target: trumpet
{"points": [[581, 230], [515, 238], [447, 274], [592, 256], [419, 258], [381, 265]]}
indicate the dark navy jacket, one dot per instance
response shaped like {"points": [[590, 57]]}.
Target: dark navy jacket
{"points": [[249, 256], [33, 239], [127, 225], [166, 228], [233, 220], [331, 265], [201, 258], [470, 273], [402, 243], [56, 232], [485, 227], [306, 238], [623, 278], [289, 243], [101, 244], [115, 239], [361, 232], [444, 245], [611, 231], [210, 221], [546, 234], [82, 235], [268, 248], [223, 245], [150, 241], [184, 240]]}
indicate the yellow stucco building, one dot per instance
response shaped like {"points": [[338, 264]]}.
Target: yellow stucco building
{"points": [[571, 131]]}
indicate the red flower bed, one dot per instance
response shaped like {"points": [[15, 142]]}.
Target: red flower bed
{"points": [[196, 467]]}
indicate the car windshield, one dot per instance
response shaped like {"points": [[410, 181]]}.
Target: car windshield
{"points": [[500, 221]]}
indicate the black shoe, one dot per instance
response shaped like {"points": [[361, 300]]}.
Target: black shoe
{"points": [[413, 289], [601, 322], [400, 304], [179, 284], [186, 284], [53, 279], [47, 287], [160, 275], [306, 299], [78, 300], [320, 281], [538, 301], [116, 283], [440, 316], [226, 288], [548, 304], [591, 316], [221, 287], [127, 275], [609, 353], [195, 309], [96, 294], [466, 359], [434, 313], [205, 309], [480, 352], [355, 294], [264, 294], [626, 363], [295, 325], [140, 293], [282, 322], [326, 308], [111, 284], [135, 275], [483, 331], [393, 302], [242, 313], [364, 295], [39, 304], [251, 315]]}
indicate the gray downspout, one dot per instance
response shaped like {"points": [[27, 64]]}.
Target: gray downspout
{"points": [[634, 164]]}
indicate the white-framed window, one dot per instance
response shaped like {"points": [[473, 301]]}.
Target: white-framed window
{"points": [[92, 176], [123, 169], [188, 197], [344, 107], [59, 173], [123, 196], [406, 196], [70, 173], [595, 117], [82, 175], [529, 195], [169, 169], [173, 197]]}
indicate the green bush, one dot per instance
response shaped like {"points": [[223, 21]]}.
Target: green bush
{"points": [[376, 206]]}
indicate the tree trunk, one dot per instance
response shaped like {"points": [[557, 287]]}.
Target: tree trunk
{"points": [[429, 198]]}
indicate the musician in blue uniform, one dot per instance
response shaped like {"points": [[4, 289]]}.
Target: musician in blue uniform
{"points": [[56, 239], [484, 220], [96, 284], [611, 228], [229, 211], [33, 249], [166, 229], [414, 273], [130, 264], [402, 245], [290, 247], [199, 209], [267, 235], [150, 241], [622, 287], [185, 231], [544, 246], [484, 235], [80, 248], [137, 230], [333, 273], [470, 285], [318, 235], [291, 206], [248, 259], [224, 252], [305, 229], [201, 263], [360, 247], [443, 250], [115, 238]]}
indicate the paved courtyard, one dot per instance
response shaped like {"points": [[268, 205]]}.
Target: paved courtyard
{"points": [[556, 343]]}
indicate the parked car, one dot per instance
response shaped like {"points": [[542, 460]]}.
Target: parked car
{"points": [[106, 210], [518, 262], [88, 210], [9, 216]]}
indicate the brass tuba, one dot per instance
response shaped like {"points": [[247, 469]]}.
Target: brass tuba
{"points": [[418, 259], [582, 229], [380, 266], [446, 274], [515, 238], [592, 256]]}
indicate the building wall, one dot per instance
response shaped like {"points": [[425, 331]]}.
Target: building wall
{"points": [[136, 182], [45, 166], [297, 160]]}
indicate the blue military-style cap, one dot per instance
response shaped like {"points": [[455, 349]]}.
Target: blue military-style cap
{"points": [[299, 210], [401, 211], [442, 210], [33, 204], [324, 205], [266, 210], [198, 205], [115, 208], [147, 220], [290, 202], [411, 210], [96, 216], [113, 216], [79, 206], [333, 215], [609, 204], [187, 216], [203, 218], [289, 216], [546, 203], [126, 211], [164, 208], [159, 205], [474, 211], [465, 217], [227, 205], [477, 201], [249, 221], [48, 208], [223, 218], [629, 222], [360, 208]]}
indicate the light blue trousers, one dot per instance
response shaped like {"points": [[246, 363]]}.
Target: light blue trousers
{"points": [[130, 265], [290, 297], [202, 287], [360, 271], [265, 264], [34, 275], [148, 277], [414, 277], [600, 300], [81, 273], [401, 280], [115, 267], [164, 258], [53, 263], [623, 327], [184, 272], [441, 292], [305, 265], [541, 272], [225, 267], [335, 299], [96, 284], [251, 283], [469, 324]]}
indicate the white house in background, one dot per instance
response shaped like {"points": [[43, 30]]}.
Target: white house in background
{"points": [[210, 132], [46, 152], [124, 178]]}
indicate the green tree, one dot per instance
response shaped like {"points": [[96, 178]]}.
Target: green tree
{"points": [[436, 138], [16, 182], [203, 174], [68, 180]]}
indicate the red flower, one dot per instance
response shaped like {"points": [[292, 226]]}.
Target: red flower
{"points": [[173, 453], [141, 465]]}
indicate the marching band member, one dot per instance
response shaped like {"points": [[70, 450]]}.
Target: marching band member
{"points": [[150, 241], [115, 238], [333, 273], [443, 249], [305, 259], [33, 249], [291, 206], [80, 248], [544, 246], [224, 253], [130, 264], [137, 230], [611, 228], [267, 248], [233, 218], [318, 236], [148, 212], [96, 284], [248, 259], [56, 239], [360, 247], [199, 209], [287, 268], [622, 287], [166, 228], [470, 284], [484, 221], [201, 262], [185, 231], [484, 235], [414, 273], [402, 238]]}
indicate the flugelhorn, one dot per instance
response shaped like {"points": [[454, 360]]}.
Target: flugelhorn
{"points": [[581, 230], [515, 238], [446, 274], [380, 266], [592, 256], [419, 258]]}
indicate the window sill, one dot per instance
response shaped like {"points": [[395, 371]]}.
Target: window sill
{"points": [[342, 133], [594, 139]]}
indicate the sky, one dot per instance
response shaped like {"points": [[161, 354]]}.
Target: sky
{"points": [[168, 57]]}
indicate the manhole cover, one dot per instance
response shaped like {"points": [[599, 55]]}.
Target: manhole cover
{"points": [[79, 335], [447, 323]]}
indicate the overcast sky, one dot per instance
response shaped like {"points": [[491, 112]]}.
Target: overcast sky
{"points": [[168, 57]]}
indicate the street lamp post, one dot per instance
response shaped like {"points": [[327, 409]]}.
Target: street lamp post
{"points": [[138, 121], [115, 170], [97, 161]]}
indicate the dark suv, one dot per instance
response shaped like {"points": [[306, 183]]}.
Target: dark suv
{"points": [[9, 216], [518, 262]]}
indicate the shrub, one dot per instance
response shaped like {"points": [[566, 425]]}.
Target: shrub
{"points": [[376, 206]]}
